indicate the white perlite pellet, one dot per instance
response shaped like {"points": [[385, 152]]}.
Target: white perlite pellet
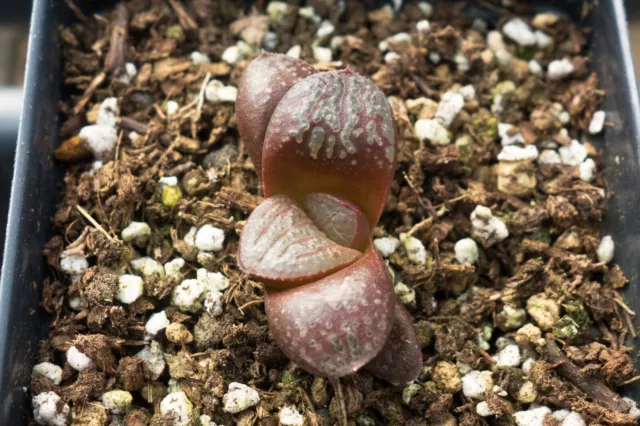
{"points": [[483, 410], [130, 288], [560, 69], [137, 232], [587, 170], [174, 267], [597, 122], [516, 153], [49, 409], [574, 419], [77, 360], [172, 107], [290, 416], [73, 264], [476, 383], [147, 267], [153, 358], [486, 228], [49, 370], [532, 417], [406, 294], [108, 112], [178, 404], [209, 238], [549, 156], [156, 323], [239, 397], [386, 246], [535, 68], [506, 136], [433, 131], [117, 401], [520, 32], [100, 139], [217, 92], [322, 55], [198, 58], [449, 107], [508, 357], [466, 251], [416, 253], [573, 154], [606, 249]]}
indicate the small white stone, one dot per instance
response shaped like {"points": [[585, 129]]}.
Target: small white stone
{"points": [[520, 32], [495, 41], [156, 323], [535, 68], [209, 238], [597, 122], [178, 404], [574, 419], [499, 391], [564, 117], [213, 303], [399, 41], [527, 365], [322, 55], [559, 69], [239, 397], [573, 154], [416, 253], [205, 420], [213, 281], [198, 58], [77, 303], [325, 29], [466, 251], [506, 138], [130, 288], [295, 51], [130, 69], [231, 55], [270, 40], [172, 107], [487, 228], [433, 131], [147, 267], [468, 92], [516, 153], [187, 296], [49, 370], [309, 13], [228, 94], [508, 357], [606, 249], [483, 410], [168, 181], [383, 46], [153, 358], [543, 40], [435, 58], [386, 245], [100, 139], [77, 360], [108, 113], [423, 26], [190, 237], [476, 383], [426, 8], [73, 264], [174, 268], [391, 57], [138, 232], [549, 156], [277, 11], [117, 401], [532, 417], [49, 409], [449, 107], [406, 294], [290, 416], [462, 62], [587, 170]]}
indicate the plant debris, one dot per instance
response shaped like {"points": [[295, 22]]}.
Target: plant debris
{"points": [[491, 226]]}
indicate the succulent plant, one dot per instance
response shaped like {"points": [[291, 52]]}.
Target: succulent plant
{"points": [[324, 145]]}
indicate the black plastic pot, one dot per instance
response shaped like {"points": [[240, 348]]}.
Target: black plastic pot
{"points": [[37, 178]]}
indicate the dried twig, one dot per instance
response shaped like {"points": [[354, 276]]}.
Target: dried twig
{"points": [[99, 227], [186, 21], [342, 409], [115, 61], [95, 83], [590, 385]]}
